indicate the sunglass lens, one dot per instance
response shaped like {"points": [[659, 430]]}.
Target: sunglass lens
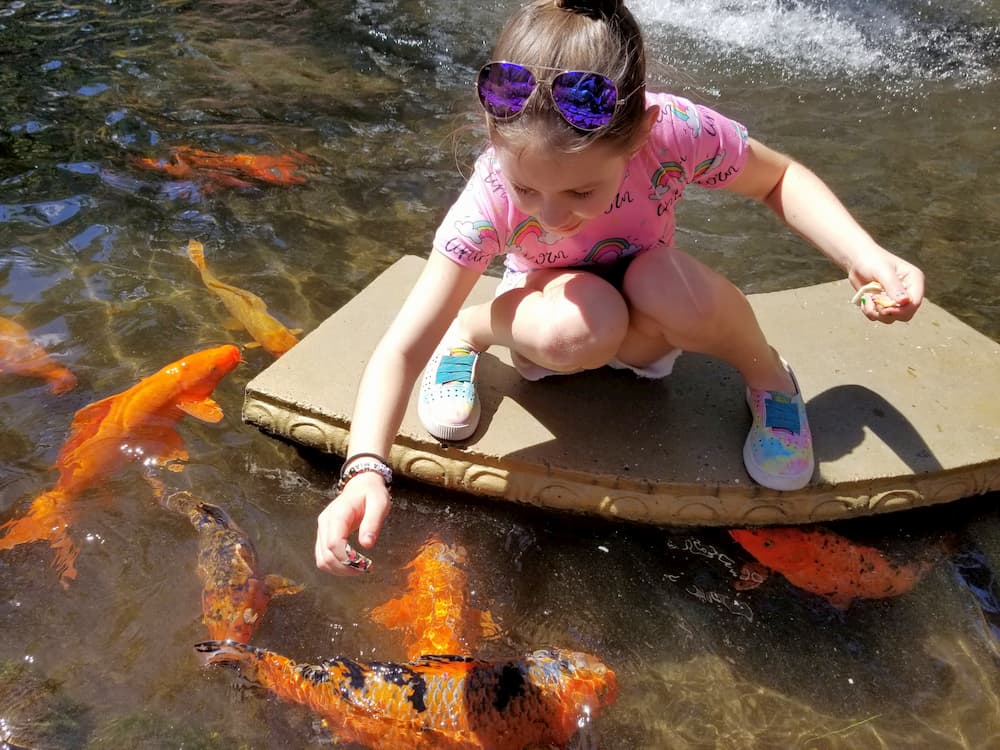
{"points": [[504, 88], [586, 100]]}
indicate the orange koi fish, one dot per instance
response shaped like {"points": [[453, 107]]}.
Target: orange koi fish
{"points": [[136, 424], [229, 170], [234, 595], [434, 613], [828, 564], [439, 702], [20, 355], [249, 309], [274, 170]]}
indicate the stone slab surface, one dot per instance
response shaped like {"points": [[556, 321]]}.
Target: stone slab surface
{"points": [[902, 416]]}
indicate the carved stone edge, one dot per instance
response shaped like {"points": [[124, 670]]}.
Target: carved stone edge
{"points": [[661, 504]]}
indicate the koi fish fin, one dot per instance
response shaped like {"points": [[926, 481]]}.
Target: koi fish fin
{"points": [[86, 422], [281, 586], [205, 409], [392, 614], [158, 487], [47, 520], [196, 252], [252, 345], [839, 601], [60, 380], [489, 628], [295, 331], [226, 652], [163, 443]]}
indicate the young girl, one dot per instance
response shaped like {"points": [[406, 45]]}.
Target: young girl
{"points": [[577, 190]]}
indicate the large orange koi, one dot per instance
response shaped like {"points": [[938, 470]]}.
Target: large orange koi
{"points": [[136, 424], [229, 170], [274, 170], [248, 309], [434, 612], [828, 564], [439, 702], [22, 356], [234, 594]]}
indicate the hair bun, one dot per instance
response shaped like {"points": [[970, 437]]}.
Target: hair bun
{"points": [[592, 8]]}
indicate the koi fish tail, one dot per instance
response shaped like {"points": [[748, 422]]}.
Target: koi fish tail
{"points": [[196, 252], [46, 520], [60, 380]]}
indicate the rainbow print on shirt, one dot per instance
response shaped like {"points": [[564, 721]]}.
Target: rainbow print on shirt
{"points": [[610, 250], [688, 114], [527, 229], [708, 164], [476, 231], [667, 172]]}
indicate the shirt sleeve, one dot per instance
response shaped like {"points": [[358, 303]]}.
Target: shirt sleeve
{"points": [[469, 232], [710, 148]]}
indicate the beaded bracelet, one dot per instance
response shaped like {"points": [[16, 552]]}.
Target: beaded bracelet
{"points": [[360, 467], [354, 456]]}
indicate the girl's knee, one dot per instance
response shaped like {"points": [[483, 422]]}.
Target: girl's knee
{"points": [[580, 324]]}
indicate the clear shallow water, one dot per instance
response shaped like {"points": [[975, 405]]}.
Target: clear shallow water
{"points": [[894, 104]]}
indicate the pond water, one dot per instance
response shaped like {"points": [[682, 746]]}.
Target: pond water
{"points": [[893, 102]]}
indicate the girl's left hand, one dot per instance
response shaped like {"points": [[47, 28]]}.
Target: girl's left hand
{"points": [[902, 288]]}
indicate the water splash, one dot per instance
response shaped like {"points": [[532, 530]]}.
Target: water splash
{"points": [[897, 41]]}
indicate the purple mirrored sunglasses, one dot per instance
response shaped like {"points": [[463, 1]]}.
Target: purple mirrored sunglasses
{"points": [[586, 100]]}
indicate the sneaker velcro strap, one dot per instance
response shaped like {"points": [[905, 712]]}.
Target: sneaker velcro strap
{"points": [[781, 414], [455, 369]]}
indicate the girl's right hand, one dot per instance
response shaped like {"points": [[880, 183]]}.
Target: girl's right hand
{"points": [[363, 505]]}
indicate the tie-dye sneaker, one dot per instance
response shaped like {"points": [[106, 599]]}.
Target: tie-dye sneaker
{"points": [[778, 452], [448, 405]]}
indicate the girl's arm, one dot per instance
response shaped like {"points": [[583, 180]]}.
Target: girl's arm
{"points": [[809, 207], [381, 402]]}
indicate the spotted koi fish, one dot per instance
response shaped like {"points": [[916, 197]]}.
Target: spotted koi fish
{"points": [[137, 424], [19, 355], [229, 170], [434, 613], [234, 594], [249, 309], [830, 565], [439, 702]]}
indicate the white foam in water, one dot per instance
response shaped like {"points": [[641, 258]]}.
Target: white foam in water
{"points": [[820, 39]]}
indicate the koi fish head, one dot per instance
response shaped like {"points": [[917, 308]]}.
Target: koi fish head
{"points": [[583, 685], [196, 375]]}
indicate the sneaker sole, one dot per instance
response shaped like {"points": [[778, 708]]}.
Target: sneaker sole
{"points": [[448, 431]]}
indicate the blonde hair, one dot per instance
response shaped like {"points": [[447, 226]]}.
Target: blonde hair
{"points": [[600, 36]]}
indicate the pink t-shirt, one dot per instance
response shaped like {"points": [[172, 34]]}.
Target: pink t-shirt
{"points": [[688, 144]]}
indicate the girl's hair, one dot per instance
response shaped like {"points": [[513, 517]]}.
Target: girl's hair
{"points": [[594, 35]]}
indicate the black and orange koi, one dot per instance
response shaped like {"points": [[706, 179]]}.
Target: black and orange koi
{"points": [[439, 702], [234, 594]]}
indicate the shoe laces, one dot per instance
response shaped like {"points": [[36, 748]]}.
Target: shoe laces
{"points": [[780, 413], [455, 367]]}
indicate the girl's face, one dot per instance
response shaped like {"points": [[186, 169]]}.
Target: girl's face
{"points": [[563, 191]]}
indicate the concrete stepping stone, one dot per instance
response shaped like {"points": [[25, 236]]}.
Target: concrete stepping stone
{"points": [[903, 416]]}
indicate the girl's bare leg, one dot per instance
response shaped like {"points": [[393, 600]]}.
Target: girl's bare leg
{"points": [[692, 307]]}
